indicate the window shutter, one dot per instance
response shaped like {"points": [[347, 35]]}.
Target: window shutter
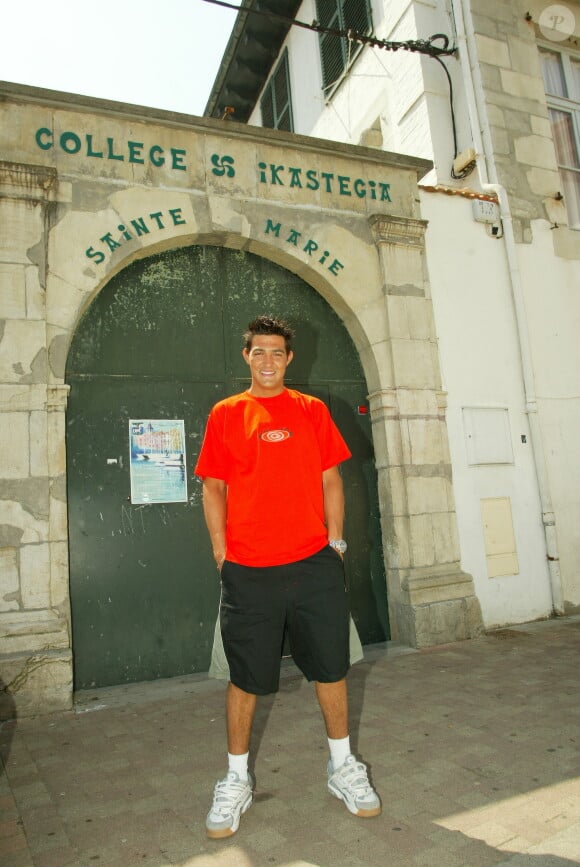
{"points": [[267, 108], [327, 12], [276, 103], [334, 50], [281, 95], [356, 16], [333, 61]]}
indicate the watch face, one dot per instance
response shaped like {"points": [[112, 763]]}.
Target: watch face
{"points": [[339, 545]]}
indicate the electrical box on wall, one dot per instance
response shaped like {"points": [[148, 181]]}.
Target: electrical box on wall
{"points": [[485, 211], [488, 436]]}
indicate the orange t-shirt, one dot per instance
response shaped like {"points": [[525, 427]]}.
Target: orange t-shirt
{"points": [[271, 452]]}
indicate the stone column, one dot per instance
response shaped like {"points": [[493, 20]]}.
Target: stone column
{"points": [[431, 600], [35, 656]]}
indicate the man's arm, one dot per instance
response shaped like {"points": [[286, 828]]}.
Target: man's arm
{"points": [[214, 509], [333, 502]]}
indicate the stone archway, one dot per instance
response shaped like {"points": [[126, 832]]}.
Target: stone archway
{"points": [[162, 340]]}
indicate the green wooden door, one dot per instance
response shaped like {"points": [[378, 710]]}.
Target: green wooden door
{"points": [[163, 341]]}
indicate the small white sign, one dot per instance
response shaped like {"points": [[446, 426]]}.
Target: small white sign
{"points": [[485, 211]]}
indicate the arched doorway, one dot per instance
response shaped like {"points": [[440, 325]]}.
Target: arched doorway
{"points": [[163, 341]]}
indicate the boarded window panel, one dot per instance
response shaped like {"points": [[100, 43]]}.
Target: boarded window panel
{"points": [[499, 538]]}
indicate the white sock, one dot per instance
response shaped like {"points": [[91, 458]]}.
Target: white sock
{"points": [[239, 764], [339, 751]]}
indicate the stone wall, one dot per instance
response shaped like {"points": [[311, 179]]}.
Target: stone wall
{"points": [[431, 599], [34, 608], [524, 160]]}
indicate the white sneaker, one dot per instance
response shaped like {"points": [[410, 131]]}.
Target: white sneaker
{"points": [[231, 798], [350, 783]]}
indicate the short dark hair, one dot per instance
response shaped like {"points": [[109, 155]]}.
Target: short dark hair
{"points": [[268, 325]]}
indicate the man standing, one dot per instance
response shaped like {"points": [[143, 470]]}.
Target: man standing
{"points": [[274, 507]]}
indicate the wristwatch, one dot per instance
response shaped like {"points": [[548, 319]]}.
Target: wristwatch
{"points": [[338, 545]]}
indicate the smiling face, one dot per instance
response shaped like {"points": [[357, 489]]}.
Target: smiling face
{"points": [[267, 359]]}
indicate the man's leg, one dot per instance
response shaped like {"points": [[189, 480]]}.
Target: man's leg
{"points": [[252, 614], [320, 646], [240, 709], [333, 701], [233, 795], [347, 778]]}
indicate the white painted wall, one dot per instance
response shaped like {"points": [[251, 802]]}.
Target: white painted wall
{"points": [[305, 78], [552, 298], [481, 367]]}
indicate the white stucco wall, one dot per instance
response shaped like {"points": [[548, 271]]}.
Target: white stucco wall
{"points": [[481, 367], [553, 315]]}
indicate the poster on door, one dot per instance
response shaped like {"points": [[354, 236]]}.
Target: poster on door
{"points": [[157, 461]]}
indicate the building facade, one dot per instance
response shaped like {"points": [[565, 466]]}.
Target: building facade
{"points": [[436, 316], [136, 245], [501, 124]]}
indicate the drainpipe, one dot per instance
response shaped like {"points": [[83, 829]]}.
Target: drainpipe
{"points": [[483, 144]]}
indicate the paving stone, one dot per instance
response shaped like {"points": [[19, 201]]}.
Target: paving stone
{"points": [[473, 748]]}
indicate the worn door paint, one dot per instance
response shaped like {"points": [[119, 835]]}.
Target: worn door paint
{"points": [[163, 340]]}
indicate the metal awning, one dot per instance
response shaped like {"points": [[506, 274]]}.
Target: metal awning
{"points": [[250, 53]]}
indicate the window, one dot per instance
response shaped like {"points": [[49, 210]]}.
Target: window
{"points": [[561, 73], [337, 52], [276, 105]]}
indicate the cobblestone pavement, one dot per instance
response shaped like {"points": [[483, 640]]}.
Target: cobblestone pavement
{"points": [[473, 747]]}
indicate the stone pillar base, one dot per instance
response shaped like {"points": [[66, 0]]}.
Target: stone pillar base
{"points": [[36, 666], [35, 684], [439, 622], [437, 607]]}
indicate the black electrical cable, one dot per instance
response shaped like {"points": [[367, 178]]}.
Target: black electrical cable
{"points": [[420, 46], [423, 46], [458, 176]]}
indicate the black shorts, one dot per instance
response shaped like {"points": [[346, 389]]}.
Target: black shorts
{"points": [[308, 598]]}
